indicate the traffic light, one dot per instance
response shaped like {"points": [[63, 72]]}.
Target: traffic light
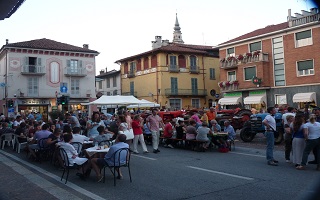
{"points": [[10, 103], [58, 100], [63, 100]]}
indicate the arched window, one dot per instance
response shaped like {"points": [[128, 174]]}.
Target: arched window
{"points": [[181, 61]]}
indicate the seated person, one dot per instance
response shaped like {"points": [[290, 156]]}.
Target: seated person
{"points": [[44, 133], [168, 133], [230, 130], [22, 132], [215, 127], [202, 135], [72, 153], [104, 134], [181, 129], [108, 160], [191, 131], [77, 137]]}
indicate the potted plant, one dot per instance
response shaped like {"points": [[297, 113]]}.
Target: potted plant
{"points": [[256, 53], [220, 84], [222, 60], [240, 57]]}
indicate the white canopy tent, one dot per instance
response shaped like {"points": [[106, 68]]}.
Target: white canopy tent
{"points": [[144, 104], [114, 100]]}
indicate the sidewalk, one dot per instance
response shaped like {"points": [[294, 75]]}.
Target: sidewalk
{"points": [[17, 186]]}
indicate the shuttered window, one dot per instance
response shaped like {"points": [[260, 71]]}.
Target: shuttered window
{"points": [[249, 73], [255, 46]]}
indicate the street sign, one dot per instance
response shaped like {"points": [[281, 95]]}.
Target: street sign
{"points": [[63, 89], [2, 84]]}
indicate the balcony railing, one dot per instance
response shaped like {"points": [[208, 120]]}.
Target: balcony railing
{"points": [[256, 58], [174, 68], [194, 70], [75, 72], [234, 62], [131, 74], [304, 20], [129, 94], [229, 64], [185, 92], [33, 70], [229, 88]]}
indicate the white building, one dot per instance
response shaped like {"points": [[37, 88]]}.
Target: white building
{"points": [[108, 83], [33, 73]]}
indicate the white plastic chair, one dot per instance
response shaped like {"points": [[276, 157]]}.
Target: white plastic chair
{"points": [[18, 147], [7, 137]]}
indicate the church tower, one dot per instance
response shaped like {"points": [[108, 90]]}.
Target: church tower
{"points": [[177, 35]]}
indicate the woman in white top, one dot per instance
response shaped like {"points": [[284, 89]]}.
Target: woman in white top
{"points": [[311, 132]]}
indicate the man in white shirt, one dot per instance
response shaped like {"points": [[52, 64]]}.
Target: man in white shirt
{"points": [[77, 137], [270, 124], [291, 111]]}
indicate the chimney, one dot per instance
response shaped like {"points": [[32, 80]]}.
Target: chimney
{"points": [[101, 71], [7, 41], [289, 15], [85, 46], [106, 69], [314, 10]]}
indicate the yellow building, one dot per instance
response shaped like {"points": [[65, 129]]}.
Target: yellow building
{"points": [[175, 75]]}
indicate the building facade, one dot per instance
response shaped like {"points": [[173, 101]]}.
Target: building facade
{"points": [[34, 73], [174, 75], [278, 64], [108, 83]]}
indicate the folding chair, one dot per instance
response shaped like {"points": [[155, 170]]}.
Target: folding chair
{"points": [[66, 164], [121, 158]]}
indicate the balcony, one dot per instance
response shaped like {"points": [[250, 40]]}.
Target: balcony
{"points": [[131, 74], [304, 20], [262, 57], [34, 70], [129, 94], [234, 62], [80, 72], [185, 92], [194, 70], [229, 64], [174, 68]]}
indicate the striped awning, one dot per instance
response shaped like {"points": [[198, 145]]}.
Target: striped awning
{"points": [[255, 99], [304, 97], [230, 100]]}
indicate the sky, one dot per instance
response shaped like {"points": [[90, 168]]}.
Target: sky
{"points": [[123, 28]]}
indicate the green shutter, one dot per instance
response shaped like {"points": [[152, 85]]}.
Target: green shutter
{"points": [[39, 61], [304, 65], [212, 73], [80, 63], [303, 35], [250, 72], [255, 46], [68, 63]]}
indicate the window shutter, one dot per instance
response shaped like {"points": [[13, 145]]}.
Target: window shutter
{"points": [[304, 65], [68, 63], [80, 63], [26, 60], [39, 61]]}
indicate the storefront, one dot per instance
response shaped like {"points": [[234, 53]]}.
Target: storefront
{"points": [[256, 99], [26, 106], [231, 100], [304, 98]]}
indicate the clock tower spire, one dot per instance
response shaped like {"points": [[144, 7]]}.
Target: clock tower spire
{"points": [[177, 35]]}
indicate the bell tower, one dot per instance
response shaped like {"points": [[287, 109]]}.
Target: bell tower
{"points": [[177, 35]]}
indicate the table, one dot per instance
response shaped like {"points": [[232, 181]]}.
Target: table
{"points": [[93, 150], [88, 142]]}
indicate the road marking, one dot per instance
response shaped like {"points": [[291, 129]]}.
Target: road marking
{"points": [[42, 180], [246, 154], [222, 173], [143, 157]]}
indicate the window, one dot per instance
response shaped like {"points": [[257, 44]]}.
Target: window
{"points": [[32, 63], [281, 99], [175, 104], [33, 85], [108, 82], [194, 86], [278, 58], [114, 79], [249, 73], [75, 86], [108, 93], [232, 76], [255, 46], [195, 103], [230, 52], [100, 84], [173, 61], [54, 72], [132, 88], [305, 68], [303, 38], [115, 92], [193, 62], [212, 74], [132, 67], [74, 66], [174, 85]]}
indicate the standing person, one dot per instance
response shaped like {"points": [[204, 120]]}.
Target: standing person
{"points": [[298, 142], [288, 137], [137, 125], [153, 123], [93, 124], [211, 115], [311, 131], [72, 120], [270, 124]]}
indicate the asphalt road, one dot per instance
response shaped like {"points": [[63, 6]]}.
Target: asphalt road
{"points": [[170, 174]]}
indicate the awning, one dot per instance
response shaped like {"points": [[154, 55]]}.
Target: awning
{"points": [[230, 100], [255, 99], [304, 97]]}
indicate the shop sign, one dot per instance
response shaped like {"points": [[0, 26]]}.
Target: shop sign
{"points": [[233, 94], [257, 92], [33, 101]]}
